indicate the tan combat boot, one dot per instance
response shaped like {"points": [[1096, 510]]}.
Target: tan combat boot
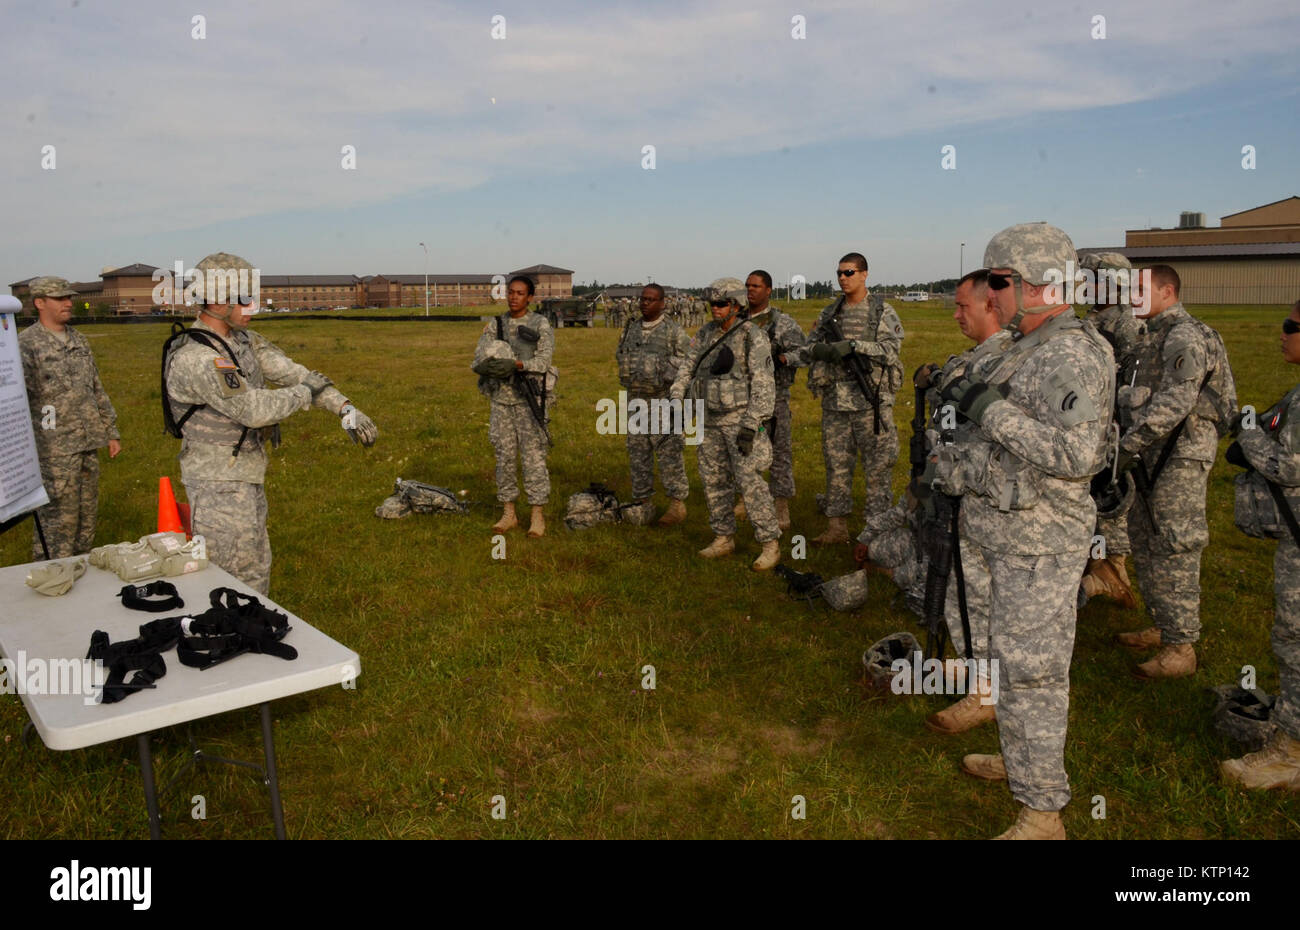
{"points": [[782, 512], [1277, 765], [1120, 564], [740, 511], [837, 531], [721, 545], [508, 519], [968, 713], [1035, 825], [675, 513], [1102, 578], [537, 526], [989, 768], [1170, 662], [768, 558], [1140, 639]]}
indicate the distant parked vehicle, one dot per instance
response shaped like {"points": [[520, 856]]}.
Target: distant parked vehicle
{"points": [[569, 310], [916, 296]]}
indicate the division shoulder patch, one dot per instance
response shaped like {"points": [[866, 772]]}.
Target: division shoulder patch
{"points": [[229, 372]]}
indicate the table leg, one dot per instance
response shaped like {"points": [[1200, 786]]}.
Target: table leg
{"points": [[150, 795], [272, 780]]}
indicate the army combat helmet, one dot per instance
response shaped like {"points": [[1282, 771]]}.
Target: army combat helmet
{"points": [[1031, 251], [732, 289], [1101, 263], [227, 280]]}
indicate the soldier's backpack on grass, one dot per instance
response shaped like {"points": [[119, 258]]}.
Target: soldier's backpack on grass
{"points": [[417, 497], [596, 505]]}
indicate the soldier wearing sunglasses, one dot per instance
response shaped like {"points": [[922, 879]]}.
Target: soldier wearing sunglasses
{"points": [[859, 331]]}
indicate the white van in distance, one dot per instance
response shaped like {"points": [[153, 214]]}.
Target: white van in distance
{"points": [[915, 296]]}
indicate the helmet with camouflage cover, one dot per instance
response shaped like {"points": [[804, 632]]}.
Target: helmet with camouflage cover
{"points": [[729, 289], [1112, 261], [225, 280], [1103, 264], [882, 655], [1243, 715], [1032, 251], [847, 592]]}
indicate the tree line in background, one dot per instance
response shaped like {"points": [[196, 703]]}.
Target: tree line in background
{"points": [[812, 289]]}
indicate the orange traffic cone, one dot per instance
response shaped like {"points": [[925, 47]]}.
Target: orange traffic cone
{"points": [[169, 517]]}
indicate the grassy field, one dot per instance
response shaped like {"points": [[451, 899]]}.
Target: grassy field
{"points": [[522, 677]]}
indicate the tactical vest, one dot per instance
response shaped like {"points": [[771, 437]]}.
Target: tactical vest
{"points": [[200, 423], [728, 390], [643, 357]]}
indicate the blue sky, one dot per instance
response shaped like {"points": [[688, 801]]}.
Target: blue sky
{"points": [[770, 151]]}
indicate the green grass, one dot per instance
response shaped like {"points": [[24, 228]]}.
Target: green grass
{"points": [[522, 677]]}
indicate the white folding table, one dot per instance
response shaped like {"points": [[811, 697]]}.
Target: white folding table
{"points": [[35, 626]]}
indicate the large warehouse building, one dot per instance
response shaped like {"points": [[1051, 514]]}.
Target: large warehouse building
{"points": [[1251, 257]]}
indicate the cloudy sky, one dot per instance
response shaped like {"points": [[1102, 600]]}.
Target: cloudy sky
{"points": [[770, 150]]}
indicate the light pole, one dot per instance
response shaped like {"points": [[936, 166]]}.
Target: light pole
{"points": [[961, 262], [426, 278]]}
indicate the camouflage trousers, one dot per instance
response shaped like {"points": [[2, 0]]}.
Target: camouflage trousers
{"points": [[782, 473], [846, 434], [1031, 638], [1286, 636], [68, 520], [976, 582], [669, 449], [1115, 532], [724, 471], [231, 517], [1168, 555], [516, 436]]}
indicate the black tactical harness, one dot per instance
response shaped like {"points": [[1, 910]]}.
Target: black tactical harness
{"points": [[154, 597], [234, 624], [171, 424]]}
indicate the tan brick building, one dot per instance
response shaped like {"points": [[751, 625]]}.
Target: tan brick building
{"points": [[1251, 257], [311, 291]]}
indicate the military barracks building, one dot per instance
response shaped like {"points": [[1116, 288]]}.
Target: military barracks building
{"points": [[129, 290], [1251, 257]]}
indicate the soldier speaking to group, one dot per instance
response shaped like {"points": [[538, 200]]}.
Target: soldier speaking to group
{"points": [[217, 401]]}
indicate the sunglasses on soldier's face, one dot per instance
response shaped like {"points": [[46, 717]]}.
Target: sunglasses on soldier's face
{"points": [[1290, 327], [845, 272], [999, 282], [719, 303]]}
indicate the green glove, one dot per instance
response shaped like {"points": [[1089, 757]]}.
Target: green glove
{"points": [[842, 349], [824, 352], [971, 398], [499, 367], [1124, 460]]}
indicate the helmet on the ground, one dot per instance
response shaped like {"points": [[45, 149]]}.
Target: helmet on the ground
{"points": [[880, 658], [1243, 715], [847, 592]]}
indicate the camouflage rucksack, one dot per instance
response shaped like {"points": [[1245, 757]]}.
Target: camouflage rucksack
{"points": [[597, 504], [1217, 401], [417, 497]]}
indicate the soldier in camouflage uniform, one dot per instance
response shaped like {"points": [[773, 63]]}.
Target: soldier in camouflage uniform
{"points": [[72, 417], [1163, 384], [217, 379], [785, 336], [1040, 411], [851, 425], [650, 352], [1112, 316], [1272, 446], [520, 341], [730, 360]]}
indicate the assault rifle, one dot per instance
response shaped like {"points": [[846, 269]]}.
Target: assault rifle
{"points": [[534, 395], [937, 538], [859, 368]]}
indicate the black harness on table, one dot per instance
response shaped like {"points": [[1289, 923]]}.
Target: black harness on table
{"points": [[142, 655], [138, 597], [212, 341], [235, 624]]}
